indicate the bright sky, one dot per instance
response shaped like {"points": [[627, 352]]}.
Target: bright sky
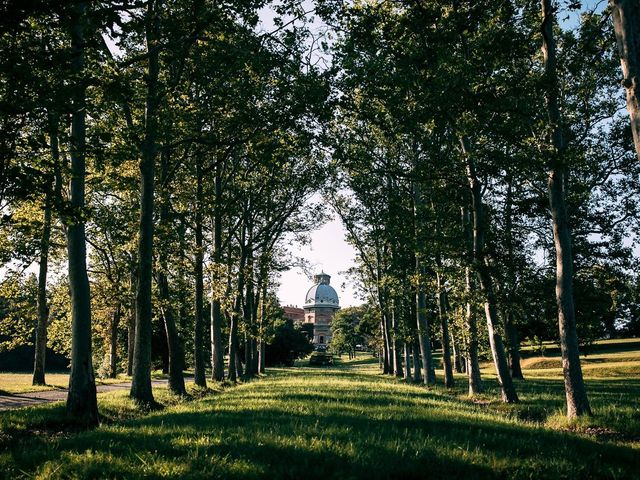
{"points": [[328, 251]]}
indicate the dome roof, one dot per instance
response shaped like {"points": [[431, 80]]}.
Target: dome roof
{"points": [[322, 294]]}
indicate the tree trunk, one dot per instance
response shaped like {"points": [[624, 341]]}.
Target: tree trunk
{"points": [[174, 343], [247, 313], [626, 23], [217, 350], [200, 377], [444, 330], [141, 378], [263, 315], [458, 360], [577, 402], [417, 377], [43, 308], [131, 323], [234, 363], [510, 329], [508, 391], [113, 341], [473, 365], [514, 347], [397, 356], [407, 362], [429, 376], [82, 403]]}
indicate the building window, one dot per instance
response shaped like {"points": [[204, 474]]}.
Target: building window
{"points": [[321, 339]]}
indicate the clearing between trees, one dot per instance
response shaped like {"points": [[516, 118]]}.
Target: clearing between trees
{"points": [[346, 421]]}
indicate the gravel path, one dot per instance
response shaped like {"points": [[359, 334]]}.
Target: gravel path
{"points": [[10, 402]]}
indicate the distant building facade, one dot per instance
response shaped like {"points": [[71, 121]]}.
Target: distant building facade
{"points": [[320, 306], [294, 313]]}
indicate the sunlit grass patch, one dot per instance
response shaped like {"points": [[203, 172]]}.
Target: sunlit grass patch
{"points": [[16, 383]]}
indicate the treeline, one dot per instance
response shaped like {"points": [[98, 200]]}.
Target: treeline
{"points": [[484, 157], [169, 147]]}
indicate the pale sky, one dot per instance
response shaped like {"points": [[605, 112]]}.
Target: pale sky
{"points": [[328, 251]]}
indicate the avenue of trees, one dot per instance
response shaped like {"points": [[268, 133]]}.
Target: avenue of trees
{"points": [[157, 155]]}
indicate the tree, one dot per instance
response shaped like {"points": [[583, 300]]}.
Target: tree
{"points": [[577, 401], [81, 400], [626, 22]]}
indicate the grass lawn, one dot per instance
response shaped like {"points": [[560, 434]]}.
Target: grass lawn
{"points": [[344, 421], [16, 383], [21, 382]]}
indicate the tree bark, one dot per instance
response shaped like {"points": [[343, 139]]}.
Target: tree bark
{"points": [[174, 343], [415, 349], [577, 401], [131, 322], [141, 379], [514, 347], [113, 341], [45, 241], [507, 388], [82, 403], [444, 330], [217, 350], [626, 23], [234, 363], [397, 356], [200, 377], [473, 364], [407, 361], [422, 322]]}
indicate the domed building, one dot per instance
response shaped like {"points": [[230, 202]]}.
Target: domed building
{"points": [[321, 304]]}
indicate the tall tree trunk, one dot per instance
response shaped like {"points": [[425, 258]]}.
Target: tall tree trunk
{"points": [[45, 240], [510, 329], [508, 391], [234, 363], [577, 401], [386, 358], [415, 349], [395, 343], [429, 375], [626, 23], [174, 343], [217, 349], [131, 323], [473, 364], [444, 330], [141, 378], [200, 377], [407, 361], [113, 341], [82, 403], [263, 315], [247, 313]]}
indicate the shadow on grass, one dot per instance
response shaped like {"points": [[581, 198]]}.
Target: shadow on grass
{"points": [[307, 423]]}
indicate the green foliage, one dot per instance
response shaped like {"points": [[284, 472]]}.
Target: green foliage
{"points": [[288, 343], [18, 311]]}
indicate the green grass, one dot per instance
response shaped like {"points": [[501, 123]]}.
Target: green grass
{"points": [[21, 382], [343, 421]]}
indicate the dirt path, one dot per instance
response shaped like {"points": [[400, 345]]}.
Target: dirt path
{"points": [[10, 402]]}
